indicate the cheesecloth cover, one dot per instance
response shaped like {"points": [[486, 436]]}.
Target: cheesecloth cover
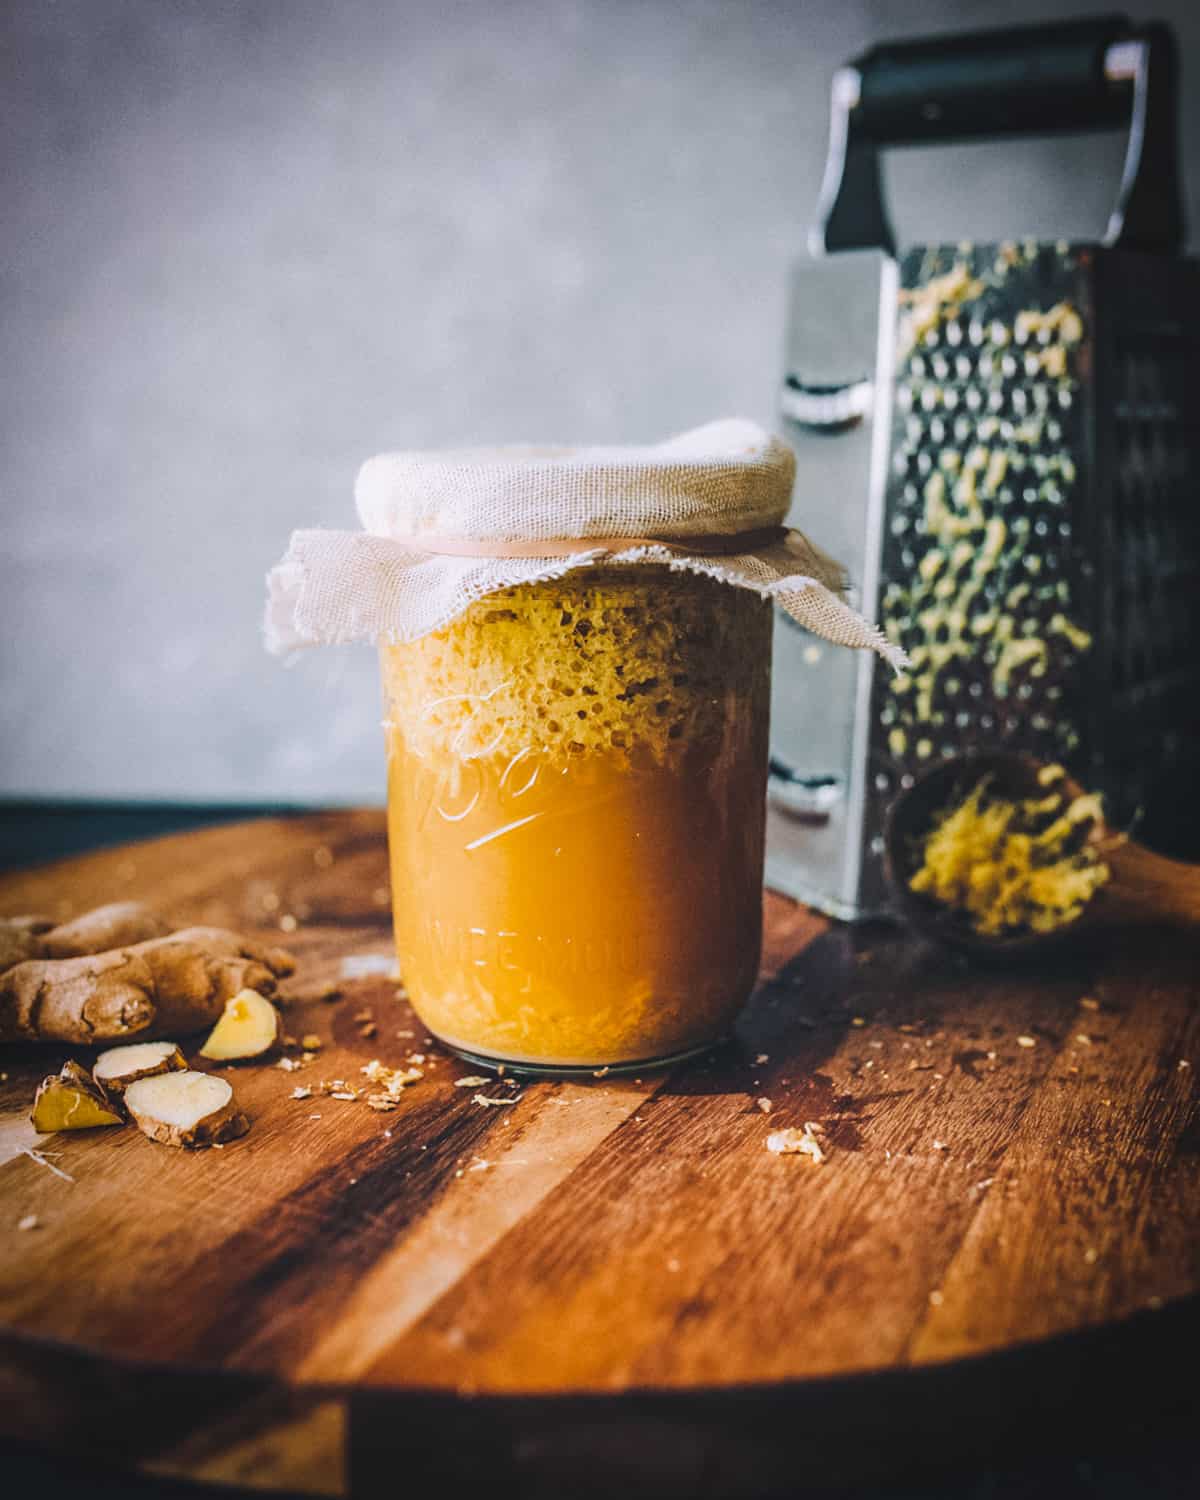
{"points": [[443, 529]]}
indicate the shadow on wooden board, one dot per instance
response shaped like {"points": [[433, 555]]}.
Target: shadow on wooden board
{"points": [[1120, 1395], [1103, 1413]]}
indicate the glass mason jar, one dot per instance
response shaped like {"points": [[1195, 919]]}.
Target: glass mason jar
{"points": [[576, 799]]}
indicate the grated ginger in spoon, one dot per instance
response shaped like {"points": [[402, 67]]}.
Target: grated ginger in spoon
{"points": [[1013, 865]]}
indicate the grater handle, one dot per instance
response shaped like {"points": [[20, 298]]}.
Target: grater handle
{"points": [[1097, 74], [1018, 81]]}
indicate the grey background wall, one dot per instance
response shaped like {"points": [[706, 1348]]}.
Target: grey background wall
{"points": [[246, 245]]}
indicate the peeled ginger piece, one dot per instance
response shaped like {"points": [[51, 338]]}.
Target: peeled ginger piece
{"points": [[70, 1100], [185, 1109], [117, 1068], [248, 1027]]}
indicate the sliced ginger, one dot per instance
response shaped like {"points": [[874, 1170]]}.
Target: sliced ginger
{"points": [[117, 1068], [185, 1109], [249, 1027], [70, 1100]]}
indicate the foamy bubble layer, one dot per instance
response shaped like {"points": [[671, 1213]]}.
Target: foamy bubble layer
{"points": [[601, 660]]}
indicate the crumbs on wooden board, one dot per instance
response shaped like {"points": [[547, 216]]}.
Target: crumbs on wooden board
{"points": [[794, 1142], [389, 1083]]}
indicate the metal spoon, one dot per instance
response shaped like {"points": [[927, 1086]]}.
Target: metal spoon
{"points": [[1142, 886]]}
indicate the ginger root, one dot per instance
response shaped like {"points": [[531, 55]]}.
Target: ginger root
{"points": [[185, 1109], [21, 938], [117, 1068], [117, 925], [120, 924], [249, 1027], [70, 1100], [169, 985]]}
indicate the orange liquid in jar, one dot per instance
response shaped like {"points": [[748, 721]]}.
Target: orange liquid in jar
{"points": [[576, 779]]}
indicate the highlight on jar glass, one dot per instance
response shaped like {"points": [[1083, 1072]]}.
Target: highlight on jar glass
{"points": [[575, 651]]}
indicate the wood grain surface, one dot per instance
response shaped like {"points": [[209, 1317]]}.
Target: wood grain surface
{"points": [[612, 1282]]}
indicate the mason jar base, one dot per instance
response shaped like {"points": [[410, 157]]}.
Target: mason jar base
{"points": [[525, 1068]]}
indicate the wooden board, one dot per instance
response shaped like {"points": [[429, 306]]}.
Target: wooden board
{"points": [[612, 1281]]}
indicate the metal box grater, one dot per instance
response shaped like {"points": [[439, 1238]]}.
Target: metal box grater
{"points": [[1012, 435]]}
